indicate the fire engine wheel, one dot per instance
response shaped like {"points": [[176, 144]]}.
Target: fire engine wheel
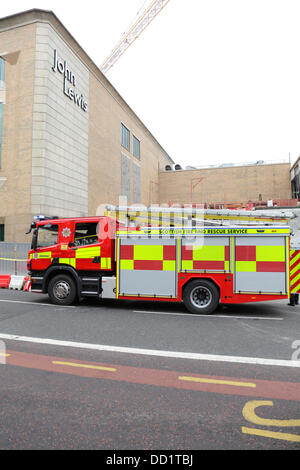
{"points": [[201, 297], [62, 290]]}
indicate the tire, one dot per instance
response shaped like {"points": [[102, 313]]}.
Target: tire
{"points": [[201, 296], [62, 290]]}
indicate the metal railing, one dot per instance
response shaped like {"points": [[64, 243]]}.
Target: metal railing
{"points": [[13, 258]]}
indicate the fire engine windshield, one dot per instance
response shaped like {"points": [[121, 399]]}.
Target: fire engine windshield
{"points": [[47, 235]]}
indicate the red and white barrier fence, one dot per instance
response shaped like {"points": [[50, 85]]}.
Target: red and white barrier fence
{"points": [[14, 282]]}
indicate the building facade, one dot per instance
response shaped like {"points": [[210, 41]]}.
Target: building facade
{"points": [[232, 184], [69, 142], [295, 179]]}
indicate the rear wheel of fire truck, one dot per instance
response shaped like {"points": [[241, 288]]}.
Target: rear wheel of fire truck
{"points": [[201, 297], [62, 290]]}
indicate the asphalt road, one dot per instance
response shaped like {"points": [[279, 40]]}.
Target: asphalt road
{"points": [[184, 382]]}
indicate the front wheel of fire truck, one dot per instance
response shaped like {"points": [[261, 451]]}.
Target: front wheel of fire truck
{"points": [[62, 290], [201, 296]]}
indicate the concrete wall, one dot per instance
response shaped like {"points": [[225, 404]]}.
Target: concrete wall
{"points": [[229, 185], [15, 193], [60, 130]]}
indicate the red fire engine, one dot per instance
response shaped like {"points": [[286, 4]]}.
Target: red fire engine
{"points": [[201, 266]]}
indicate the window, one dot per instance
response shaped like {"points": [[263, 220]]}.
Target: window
{"points": [[1, 232], [1, 104], [136, 147], [47, 235], [86, 233], [125, 137], [125, 177], [2, 72]]}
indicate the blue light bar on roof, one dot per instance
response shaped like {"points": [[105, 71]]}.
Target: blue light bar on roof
{"points": [[43, 217]]}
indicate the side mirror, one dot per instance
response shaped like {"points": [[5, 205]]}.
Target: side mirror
{"points": [[32, 226], [34, 240]]}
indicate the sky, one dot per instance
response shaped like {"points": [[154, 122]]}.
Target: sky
{"points": [[215, 81]]}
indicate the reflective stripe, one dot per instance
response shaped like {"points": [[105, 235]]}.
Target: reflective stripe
{"points": [[243, 231], [270, 253], [87, 253], [69, 261], [294, 257], [126, 252], [207, 264], [213, 255], [169, 265], [43, 255], [209, 253], [295, 279], [105, 263], [260, 258], [149, 265], [127, 264], [270, 267], [261, 265], [295, 289], [245, 253], [187, 265], [148, 257], [245, 266], [294, 271], [148, 252]]}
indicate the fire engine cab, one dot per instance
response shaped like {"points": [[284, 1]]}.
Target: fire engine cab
{"points": [[199, 266]]}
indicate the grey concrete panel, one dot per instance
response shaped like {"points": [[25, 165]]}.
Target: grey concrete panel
{"points": [[147, 283], [261, 282]]}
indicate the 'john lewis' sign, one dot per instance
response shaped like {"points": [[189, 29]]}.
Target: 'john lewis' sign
{"points": [[69, 78]]}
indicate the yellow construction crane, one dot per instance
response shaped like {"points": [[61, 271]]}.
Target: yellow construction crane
{"points": [[133, 33]]}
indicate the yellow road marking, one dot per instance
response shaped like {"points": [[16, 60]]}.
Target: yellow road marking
{"points": [[4, 355], [218, 382], [250, 415], [274, 435], [86, 366]]}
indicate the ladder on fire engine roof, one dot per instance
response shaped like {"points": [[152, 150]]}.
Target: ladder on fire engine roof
{"points": [[190, 216]]}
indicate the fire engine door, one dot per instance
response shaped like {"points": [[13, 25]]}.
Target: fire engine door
{"points": [[147, 267], [87, 250], [261, 264]]}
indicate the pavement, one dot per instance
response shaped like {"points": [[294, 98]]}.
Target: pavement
{"points": [[146, 375]]}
